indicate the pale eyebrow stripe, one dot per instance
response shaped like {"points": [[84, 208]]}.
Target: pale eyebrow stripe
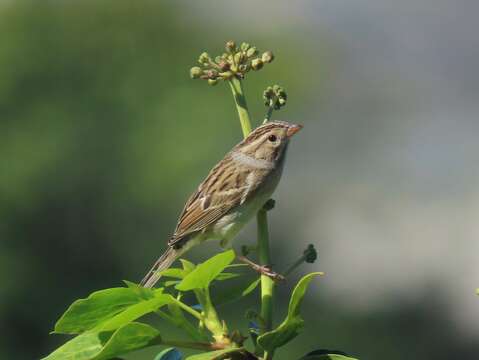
{"points": [[250, 161]]}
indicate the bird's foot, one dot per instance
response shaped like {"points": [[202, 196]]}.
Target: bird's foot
{"points": [[262, 269], [266, 270]]}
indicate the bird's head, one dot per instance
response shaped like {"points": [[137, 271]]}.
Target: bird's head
{"points": [[268, 141]]}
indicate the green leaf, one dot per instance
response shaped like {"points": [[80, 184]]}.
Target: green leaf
{"points": [[327, 357], [84, 314], [205, 273], [132, 336], [187, 265], [102, 345], [291, 326], [214, 355], [227, 276], [174, 273], [325, 354], [135, 311], [169, 354]]}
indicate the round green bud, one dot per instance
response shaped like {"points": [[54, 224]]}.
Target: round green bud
{"points": [[245, 46], [212, 74], [267, 57], [239, 58], [230, 46], [204, 58], [195, 72], [226, 75], [224, 65], [251, 52], [212, 82], [256, 64], [244, 68]]}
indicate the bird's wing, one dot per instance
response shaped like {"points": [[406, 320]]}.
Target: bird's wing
{"points": [[225, 187]]}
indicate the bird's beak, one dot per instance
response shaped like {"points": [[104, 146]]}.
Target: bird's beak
{"points": [[293, 129]]}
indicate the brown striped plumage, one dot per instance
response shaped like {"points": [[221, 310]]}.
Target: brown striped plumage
{"points": [[234, 190]]}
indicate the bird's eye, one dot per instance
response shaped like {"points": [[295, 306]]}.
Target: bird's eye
{"points": [[272, 138]]}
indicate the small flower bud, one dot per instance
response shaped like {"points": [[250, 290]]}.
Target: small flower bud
{"points": [[244, 68], [251, 52], [256, 64], [226, 75], [239, 58], [224, 66], [195, 72], [212, 82], [245, 46], [267, 57], [204, 58], [212, 74], [230, 46]]}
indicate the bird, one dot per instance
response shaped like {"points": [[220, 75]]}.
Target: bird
{"points": [[231, 194]]}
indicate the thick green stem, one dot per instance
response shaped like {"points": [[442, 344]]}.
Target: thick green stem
{"points": [[267, 284], [210, 318], [188, 309], [240, 101]]}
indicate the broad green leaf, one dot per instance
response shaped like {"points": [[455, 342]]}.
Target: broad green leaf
{"points": [[135, 311], [205, 273], [227, 276], [102, 345], [187, 265], [325, 354], [84, 314], [132, 336], [213, 355], [174, 273], [291, 326], [169, 354], [327, 357]]}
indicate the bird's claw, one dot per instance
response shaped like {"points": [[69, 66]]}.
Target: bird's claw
{"points": [[267, 271]]}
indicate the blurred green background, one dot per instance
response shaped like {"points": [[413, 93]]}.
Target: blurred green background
{"points": [[103, 136]]}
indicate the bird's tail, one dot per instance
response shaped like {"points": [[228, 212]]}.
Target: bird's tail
{"points": [[163, 263]]}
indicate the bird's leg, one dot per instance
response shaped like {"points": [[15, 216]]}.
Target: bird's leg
{"points": [[262, 269]]}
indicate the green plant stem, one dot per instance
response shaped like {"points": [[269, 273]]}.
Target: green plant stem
{"points": [[240, 101], [188, 309], [295, 265], [210, 318], [267, 284], [268, 115]]}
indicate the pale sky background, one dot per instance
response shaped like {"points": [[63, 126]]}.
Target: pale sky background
{"points": [[389, 176]]}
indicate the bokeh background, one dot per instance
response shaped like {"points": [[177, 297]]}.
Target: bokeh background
{"points": [[103, 136]]}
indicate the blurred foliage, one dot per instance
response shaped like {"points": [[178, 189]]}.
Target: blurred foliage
{"points": [[102, 137]]}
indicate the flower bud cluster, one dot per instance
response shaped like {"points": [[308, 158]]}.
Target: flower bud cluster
{"points": [[275, 96], [235, 62]]}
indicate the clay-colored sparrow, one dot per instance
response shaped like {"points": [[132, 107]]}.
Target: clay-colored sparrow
{"points": [[232, 193]]}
